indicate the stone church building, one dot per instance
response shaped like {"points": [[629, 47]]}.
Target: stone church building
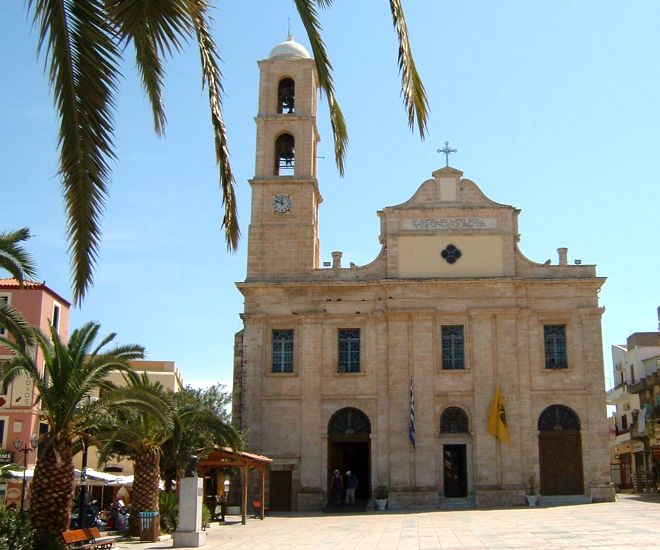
{"points": [[331, 358]]}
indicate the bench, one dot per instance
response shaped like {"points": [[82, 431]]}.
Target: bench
{"points": [[88, 538]]}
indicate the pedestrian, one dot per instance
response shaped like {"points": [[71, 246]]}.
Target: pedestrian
{"points": [[336, 487], [351, 485]]}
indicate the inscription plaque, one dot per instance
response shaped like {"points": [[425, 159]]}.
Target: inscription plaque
{"points": [[450, 224]]}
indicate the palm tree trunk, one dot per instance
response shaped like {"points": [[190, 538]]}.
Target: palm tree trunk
{"points": [[51, 491], [144, 497]]}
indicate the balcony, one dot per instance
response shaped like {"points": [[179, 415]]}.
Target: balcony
{"points": [[623, 436], [616, 393]]}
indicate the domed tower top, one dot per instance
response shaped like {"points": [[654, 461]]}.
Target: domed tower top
{"points": [[289, 49]]}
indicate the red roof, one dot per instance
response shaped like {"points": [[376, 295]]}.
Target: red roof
{"points": [[31, 285]]}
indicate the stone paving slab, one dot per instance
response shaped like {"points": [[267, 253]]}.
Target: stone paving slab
{"points": [[633, 521]]}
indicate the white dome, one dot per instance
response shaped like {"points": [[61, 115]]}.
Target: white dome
{"points": [[289, 49]]}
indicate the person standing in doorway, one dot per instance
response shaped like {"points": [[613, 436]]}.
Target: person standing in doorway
{"points": [[336, 487], [351, 485]]}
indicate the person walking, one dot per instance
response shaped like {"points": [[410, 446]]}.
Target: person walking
{"points": [[351, 485], [336, 486]]}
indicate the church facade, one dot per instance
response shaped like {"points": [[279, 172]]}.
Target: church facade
{"points": [[390, 369]]}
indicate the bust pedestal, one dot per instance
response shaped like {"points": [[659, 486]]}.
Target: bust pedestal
{"points": [[189, 530]]}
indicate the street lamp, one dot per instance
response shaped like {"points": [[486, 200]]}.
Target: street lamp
{"points": [[84, 439], [82, 495], [18, 445], [223, 506]]}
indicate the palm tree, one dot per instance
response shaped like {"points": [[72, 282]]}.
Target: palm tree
{"points": [[188, 428], [71, 372], [84, 43], [138, 435], [19, 264], [197, 429]]}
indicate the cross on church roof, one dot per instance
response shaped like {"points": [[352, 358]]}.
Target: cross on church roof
{"points": [[447, 151]]}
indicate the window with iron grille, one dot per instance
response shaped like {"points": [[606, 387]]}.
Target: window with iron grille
{"points": [[554, 338], [5, 300], [454, 420], [282, 350], [453, 348], [349, 350]]}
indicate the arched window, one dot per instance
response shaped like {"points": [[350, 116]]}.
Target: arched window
{"points": [[285, 156], [454, 420], [349, 421], [286, 96], [558, 418]]}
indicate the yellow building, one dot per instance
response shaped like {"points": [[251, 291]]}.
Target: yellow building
{"points": [[331, 359]]}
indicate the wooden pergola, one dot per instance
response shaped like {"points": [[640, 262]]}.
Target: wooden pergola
{"points": [[224, 457]]}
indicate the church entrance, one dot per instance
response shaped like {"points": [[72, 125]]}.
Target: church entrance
{"points": [[349, 449], [560, 452], [455, 471]]}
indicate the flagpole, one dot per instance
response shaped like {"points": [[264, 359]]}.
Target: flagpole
{"points": [[411, 433]]}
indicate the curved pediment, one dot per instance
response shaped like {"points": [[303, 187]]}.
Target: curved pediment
{"points": [[448, 189]]}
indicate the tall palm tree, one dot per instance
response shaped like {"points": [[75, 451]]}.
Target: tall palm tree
{"points": [[84, 43], [71, 372], [19, 264]]}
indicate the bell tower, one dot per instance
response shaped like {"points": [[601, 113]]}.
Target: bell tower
{"points": [[283, 233]]}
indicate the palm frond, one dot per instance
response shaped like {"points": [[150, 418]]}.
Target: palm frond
{"points": [[412, 88], [212, 79], [155, 29], [14, 258], [308, 16], [16, 326], [82, 65]]}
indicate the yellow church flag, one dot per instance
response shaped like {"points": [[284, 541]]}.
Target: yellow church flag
{"points": [[497, 418]]}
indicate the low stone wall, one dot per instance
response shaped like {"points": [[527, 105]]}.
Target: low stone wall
{"points": [[603, 493], [501, 497], [411, 500], [311, 500]]}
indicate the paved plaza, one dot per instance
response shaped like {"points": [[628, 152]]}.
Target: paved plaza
{"points": [[633, 521]]}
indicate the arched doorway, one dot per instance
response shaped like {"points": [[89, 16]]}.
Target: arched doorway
{"points": [[349, 439], [454, 420], [560, 452]]}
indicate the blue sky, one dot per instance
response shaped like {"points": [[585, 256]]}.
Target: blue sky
{"points": [[554, 108]]}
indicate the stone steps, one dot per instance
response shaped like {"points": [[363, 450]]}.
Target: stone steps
{"points": [[457, 503], [563, 500]]}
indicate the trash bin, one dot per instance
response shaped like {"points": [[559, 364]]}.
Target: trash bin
{"points": [[149, 526]]}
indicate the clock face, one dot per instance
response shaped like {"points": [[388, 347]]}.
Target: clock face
{"points": [[282, 203]]}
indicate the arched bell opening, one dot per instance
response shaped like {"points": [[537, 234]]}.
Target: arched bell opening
{"points": [[286, 96], [560, 452], [285, 156], [455, 444], [349, 449]]}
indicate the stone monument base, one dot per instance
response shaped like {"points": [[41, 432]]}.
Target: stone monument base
{"points": [[189, 532], [190, 539]]}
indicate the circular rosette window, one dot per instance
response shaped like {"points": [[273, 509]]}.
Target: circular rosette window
{"points": [[451, 254]]}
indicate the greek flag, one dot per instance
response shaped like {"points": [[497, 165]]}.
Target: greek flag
{"points": [[411, 429]]}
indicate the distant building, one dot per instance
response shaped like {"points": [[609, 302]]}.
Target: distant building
{"points": [[635, 425], [19, 415], [164, 372], [331, 358]]}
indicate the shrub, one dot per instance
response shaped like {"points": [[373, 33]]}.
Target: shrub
{"points": [[206, 517], [17, 532], [169, 512]]}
